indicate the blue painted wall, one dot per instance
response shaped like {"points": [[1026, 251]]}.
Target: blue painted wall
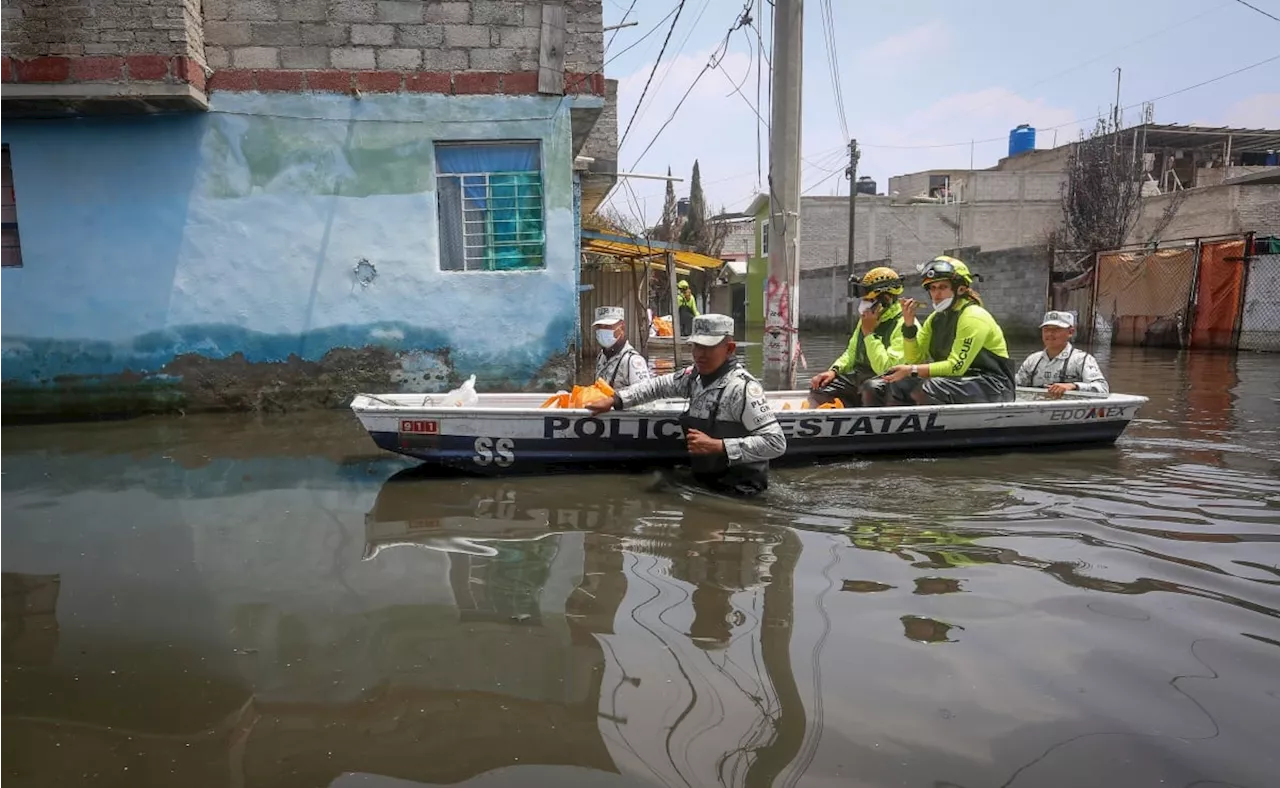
{"points": [[208, 260]]}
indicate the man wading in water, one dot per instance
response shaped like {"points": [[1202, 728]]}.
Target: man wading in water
{"points": [[730, 430]]}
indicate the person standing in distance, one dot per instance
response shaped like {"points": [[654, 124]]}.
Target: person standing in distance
{"points": [[730, 430]]}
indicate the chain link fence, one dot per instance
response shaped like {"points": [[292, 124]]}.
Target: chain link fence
{"points": [[1144, 298], [1260, 318]]}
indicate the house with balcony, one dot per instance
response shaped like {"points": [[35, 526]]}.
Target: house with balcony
{"points": [[272, 205]]}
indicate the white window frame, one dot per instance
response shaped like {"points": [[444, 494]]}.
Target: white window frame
{"points": [[476, 221]]}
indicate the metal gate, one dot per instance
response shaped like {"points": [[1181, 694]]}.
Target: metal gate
{"points": [[1260, 319]]}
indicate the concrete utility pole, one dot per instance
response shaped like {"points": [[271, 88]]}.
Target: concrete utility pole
{"points": [[852, 173], [781, 343]]}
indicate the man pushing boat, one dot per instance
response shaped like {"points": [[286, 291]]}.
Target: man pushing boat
{"points": [[730, 428]]}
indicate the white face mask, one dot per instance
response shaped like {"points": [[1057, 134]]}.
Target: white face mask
{"points": [[605, 337], [942, 305], [865, 307]]}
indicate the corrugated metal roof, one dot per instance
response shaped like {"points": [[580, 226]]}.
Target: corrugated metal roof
{"points": [[628, 248]]}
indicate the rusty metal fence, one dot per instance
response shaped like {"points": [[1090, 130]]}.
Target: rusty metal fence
{"points": [[1203, 293]]}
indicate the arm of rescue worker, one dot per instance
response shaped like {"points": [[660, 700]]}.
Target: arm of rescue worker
{"points": [[972, 331], [1094, 381], [766, 441], [915, 350], [1023, 377], [639, 369], [842, 365], [676, 384], [882, 356]]}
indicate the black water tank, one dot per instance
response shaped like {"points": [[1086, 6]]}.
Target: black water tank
{"points": [[866, 185]]}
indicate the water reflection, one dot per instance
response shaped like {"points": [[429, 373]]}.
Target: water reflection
{"points": [[266, 602], [683, 611]]}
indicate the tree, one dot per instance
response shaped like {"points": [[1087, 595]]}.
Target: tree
{"points": [[696, 220], [1102, 196], [666, 231], [698, 232]]}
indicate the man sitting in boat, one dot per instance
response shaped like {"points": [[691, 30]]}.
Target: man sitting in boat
{"points": [[730, 429], [957, 356], [875, 347], [686, 308], [619, 364], [1061, 367]]}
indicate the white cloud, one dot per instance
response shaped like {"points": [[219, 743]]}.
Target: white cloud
{"points": [[718, 128], [920, 45], [1259, 111]]}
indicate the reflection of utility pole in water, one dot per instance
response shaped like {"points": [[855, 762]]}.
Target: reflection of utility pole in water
{"points": [[775, 646]]}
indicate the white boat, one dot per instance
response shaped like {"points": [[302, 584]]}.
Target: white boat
{"points": [[510, 432]]}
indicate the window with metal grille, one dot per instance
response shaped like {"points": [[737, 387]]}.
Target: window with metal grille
{"points": [[12, 248], [490, 206]]}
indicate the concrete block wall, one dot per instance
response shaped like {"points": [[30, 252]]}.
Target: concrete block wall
{"points": [[45, 41], [1013, 287], [1258, 208], [300, 45], [495, 42]]}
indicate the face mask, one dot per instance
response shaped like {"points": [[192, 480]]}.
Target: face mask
{"points": [[605, 337], [865, 307], [942, 305]]}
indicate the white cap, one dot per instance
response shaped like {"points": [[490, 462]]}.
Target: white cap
{"points": [[710, 330], [608, 315], [1059, 319]]}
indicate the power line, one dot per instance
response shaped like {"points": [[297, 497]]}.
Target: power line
{"points": [[1259, 10], [652, 71], [833, 63], [1070, 69], [637, 42], [714, 61], [1171, 94], [625, 14]]}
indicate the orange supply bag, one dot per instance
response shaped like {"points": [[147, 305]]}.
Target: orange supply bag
{"points": [[663, 326], [580, 396]]}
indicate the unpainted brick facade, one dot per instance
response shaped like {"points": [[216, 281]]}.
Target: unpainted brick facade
{"points": [[481, 46]]}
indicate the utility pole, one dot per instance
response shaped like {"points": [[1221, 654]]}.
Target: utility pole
{"points": [[852, 172], [781, 343]]}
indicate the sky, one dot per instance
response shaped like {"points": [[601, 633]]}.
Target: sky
{"points": [[922, 73]]}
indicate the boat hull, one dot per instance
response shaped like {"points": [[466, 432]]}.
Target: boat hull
{"points": [[508, 433]]}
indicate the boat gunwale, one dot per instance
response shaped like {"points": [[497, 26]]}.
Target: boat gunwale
{"points": [[670, 404]]}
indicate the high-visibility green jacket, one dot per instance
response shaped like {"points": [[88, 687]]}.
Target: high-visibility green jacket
{"points": [[872, 354], [962, 340]]}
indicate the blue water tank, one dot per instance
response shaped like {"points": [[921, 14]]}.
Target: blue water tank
{"points": [[1021, 140]]}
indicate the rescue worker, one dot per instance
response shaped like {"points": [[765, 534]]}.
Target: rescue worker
{"points": [[619, 364], [957, 356], [876, 346], [1061, 367], [686, 308], [730, 430]]}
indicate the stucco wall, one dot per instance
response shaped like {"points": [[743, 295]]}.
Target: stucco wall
{"points": [[206, 261]]}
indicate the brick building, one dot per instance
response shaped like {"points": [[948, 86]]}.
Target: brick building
{"points": [[274, 203]]}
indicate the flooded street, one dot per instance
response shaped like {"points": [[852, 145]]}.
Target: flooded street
{"points": [[266, 601]]}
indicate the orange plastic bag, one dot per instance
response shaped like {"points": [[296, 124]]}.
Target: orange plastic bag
{"points": [[835, 404], [580, 396], [662, 326]]}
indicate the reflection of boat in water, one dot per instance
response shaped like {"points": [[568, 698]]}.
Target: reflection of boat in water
{"points": [[509, 432], [683, 604]]}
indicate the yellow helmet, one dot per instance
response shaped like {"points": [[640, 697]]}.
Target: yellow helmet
{"points": [[876, 281], [946, 269]]}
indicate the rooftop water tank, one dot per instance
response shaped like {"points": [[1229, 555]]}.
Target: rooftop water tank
{"points": [[1021, 140], [866, 185]]}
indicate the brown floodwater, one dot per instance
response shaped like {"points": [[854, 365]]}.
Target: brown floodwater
{"points": [[269, 601]]}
